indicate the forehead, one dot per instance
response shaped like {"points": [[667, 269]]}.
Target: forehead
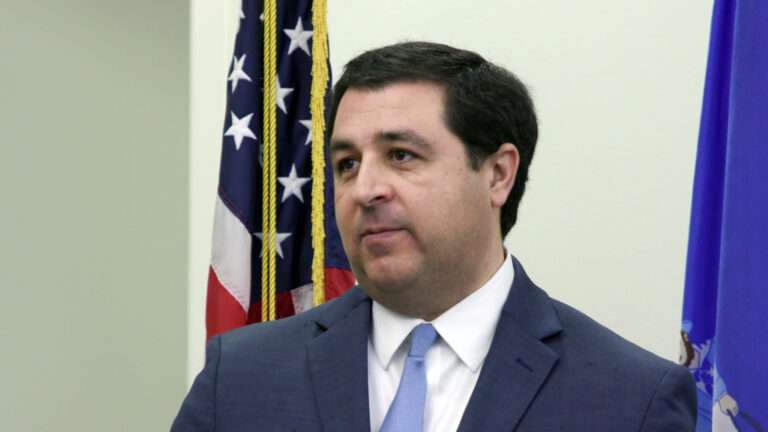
{"points": [[417, 105]]}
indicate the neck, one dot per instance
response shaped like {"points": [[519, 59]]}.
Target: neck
{"points": [[466, 285], [428, 299]]}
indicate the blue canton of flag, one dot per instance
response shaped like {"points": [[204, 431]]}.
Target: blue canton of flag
{"points": [[234, 291], [725, 312]]}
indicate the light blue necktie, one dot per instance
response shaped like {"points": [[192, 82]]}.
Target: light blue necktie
{"points": [[406, 414]]}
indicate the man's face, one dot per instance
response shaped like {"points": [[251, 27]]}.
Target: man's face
{"points": [[416, 221]]}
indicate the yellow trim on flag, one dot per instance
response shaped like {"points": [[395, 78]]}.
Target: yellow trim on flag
{"points": [[317, 109]]}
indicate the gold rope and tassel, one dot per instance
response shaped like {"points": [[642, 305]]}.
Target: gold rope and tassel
{"points": [[320, 77], [317, 109], [269, 210]]}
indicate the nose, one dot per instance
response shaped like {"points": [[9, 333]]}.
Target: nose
{"points": [[372, 184]]}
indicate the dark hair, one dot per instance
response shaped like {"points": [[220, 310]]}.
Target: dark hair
{"points": [[485, 105]]}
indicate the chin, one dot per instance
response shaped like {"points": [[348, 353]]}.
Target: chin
{"points": [[387, 278], [388, 283], [393, 272]]}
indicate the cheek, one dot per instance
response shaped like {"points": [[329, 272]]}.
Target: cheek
{"points": [[341, 201], [442, 210], [467, 208], [343, 212]]}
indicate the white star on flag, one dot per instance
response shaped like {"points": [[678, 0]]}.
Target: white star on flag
{"points": [[279, 239], [307, 124], [281, 93], [242, 15], [237, 72], [299, 38], [239, 129], [292, 184]]}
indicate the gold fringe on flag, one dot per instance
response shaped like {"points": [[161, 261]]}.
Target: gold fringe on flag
{"points": [[317, 109]]}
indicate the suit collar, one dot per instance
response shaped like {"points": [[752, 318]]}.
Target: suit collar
{"points": [[338, 363], [530, 306], [338, 309], [518, 362]]}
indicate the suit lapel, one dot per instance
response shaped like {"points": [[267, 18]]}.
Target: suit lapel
{"points": [[518, 362], [339, 367]]}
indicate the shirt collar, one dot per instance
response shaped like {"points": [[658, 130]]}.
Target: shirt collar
{"points": [[471, 343]]}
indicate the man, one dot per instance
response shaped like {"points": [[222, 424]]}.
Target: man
{"points": [[430, 147]]}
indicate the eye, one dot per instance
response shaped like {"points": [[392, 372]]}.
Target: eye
{"points": [[401, 155], [346, 164]]}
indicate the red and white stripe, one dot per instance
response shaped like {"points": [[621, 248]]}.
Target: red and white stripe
{"points": [[229, 277]]}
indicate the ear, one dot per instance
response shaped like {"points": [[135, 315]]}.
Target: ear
{"points": [[503, 169]]}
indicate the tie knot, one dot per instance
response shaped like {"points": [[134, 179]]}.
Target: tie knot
{"points": [[422, 337]]}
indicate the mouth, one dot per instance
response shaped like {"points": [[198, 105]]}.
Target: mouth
{"points": [[379, 230], [379, 233]]}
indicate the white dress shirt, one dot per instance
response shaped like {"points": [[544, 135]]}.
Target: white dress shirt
{"points": [[453, 362]]}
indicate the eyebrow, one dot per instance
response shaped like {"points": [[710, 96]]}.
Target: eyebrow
{"points": [[385, 137], [404, 135], [340, 145]]}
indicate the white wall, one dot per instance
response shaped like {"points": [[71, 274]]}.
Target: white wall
{"points": [[617, 85], [93, 214], [213, 24]]}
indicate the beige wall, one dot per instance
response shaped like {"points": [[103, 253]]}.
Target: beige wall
{"points": [[93, 214]]}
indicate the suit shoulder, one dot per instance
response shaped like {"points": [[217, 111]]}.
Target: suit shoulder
{"points": [[588, 339], [291, 332], [598, 369], [599, 380]]}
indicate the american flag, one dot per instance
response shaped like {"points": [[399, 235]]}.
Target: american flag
{"points": [[235, 274]]}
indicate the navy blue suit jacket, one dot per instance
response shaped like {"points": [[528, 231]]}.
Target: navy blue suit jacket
{"points": [[549, 368]]}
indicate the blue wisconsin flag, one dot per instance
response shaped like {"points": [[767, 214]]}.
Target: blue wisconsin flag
{"points": [[725, 312]]}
